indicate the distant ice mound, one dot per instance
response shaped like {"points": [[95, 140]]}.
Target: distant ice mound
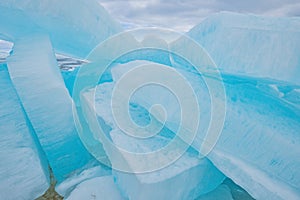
{"points": [[252, 45]]}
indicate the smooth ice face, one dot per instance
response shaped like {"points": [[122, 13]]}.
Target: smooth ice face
{"points": [[74, 28], [96, 188], [251, 45], [23, 169], [260, 129], [48, 104], [188, 176]]}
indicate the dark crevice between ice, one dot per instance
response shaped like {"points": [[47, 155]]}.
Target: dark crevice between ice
{"points": [[51, 193]]}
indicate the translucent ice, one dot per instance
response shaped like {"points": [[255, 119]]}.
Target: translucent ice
{"points": [[74, 28], [221, 193], [89, 173], [252, 45], [258, 147], [47, 103], [260, 130], [23, 168], [188, 176], [96, 188]]}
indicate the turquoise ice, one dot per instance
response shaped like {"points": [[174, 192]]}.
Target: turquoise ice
{"points": [[20, 151], [38, 30], [259, 144], [70, 33], [257, 118], [47, 104], [252, 45], [189, 176]]}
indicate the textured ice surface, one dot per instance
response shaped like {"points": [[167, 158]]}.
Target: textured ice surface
{"points": [[259, 145], [259, 132], [23, 168], [97, 189], [74, 28], [265, 129], [188, 176], [47, 103], [90, 172], [252, 45]]}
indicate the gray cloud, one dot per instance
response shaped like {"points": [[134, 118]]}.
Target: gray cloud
{"points": [[182, 15]]}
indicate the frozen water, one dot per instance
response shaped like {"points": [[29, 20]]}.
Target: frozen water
{"points": [[97, 189], [74, 28], [258, 147], [188, 176], [252, 45], [45, 100], [90, 172], [259, 131], [47, 103], [5, 48], [221, 193], [23, 169]]}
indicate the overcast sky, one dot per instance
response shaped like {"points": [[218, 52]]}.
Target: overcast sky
{"points": [[181, 15]]}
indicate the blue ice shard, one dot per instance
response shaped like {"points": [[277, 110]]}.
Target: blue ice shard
{"points": [[74, 28], [252, 45], [47, 103], [37, 28], [23, 169]]}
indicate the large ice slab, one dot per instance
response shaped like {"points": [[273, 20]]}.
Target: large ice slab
{"points": [[96, 188], [74, 28], [252, 45], [260, 129], [23, 168], [189, 176], [48, 105]]}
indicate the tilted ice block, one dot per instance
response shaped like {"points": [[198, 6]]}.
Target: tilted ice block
{"points": [[48, 105], [188, 177], [23, 168], [96, 188], [259, 145], [74, 28], [252, 45], [264, 130]]}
